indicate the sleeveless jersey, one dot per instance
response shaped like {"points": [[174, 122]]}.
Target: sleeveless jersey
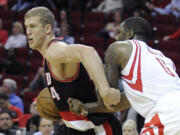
{"points": [[81, 87], [148, 76]]}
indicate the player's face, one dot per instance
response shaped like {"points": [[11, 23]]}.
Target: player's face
{"points": [[121, 34], [35, 31]]}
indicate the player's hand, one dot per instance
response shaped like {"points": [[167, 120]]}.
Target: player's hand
{"points": [[112, 98], [77, 107]]}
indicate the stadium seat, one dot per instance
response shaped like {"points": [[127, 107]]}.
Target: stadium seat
{"points": [[94, 17], [90, 29], [97, 43], [27, 99], [165, 19], [163, 30], [169, 46]]}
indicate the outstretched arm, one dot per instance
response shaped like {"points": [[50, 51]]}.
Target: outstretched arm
{"points": [[88, 56]]}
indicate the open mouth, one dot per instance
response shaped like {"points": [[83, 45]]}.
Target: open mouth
{"points": [[30, 40]]}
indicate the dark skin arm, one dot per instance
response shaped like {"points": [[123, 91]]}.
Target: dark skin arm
{"points": [[116, 59]]}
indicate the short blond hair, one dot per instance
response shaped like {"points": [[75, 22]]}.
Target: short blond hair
{"points": [[45, 15]]}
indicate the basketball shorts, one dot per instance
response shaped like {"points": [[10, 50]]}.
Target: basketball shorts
{"points": [[164, 119], [110, 127]]}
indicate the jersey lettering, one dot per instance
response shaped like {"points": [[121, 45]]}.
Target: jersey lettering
{"points": [[54, 94], [155, 123], [48, 78], [165, 67]]}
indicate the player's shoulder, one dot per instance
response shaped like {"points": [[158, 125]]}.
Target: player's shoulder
{"points": [[120, 47]]}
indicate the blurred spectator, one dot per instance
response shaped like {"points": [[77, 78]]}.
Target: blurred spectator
{"points": [[6, 123], [32, 124], [9, 86], [129, 127], [172, 8], [46, 127], [38, 83], [3, 4], [5, 105], [109, 6], [137, 13], [33, 108], [10, 64], [3, 34], [111, 27], [175, 35], [133, 115], [22, 5], [64, 32], [18, 38], [64, 18]]}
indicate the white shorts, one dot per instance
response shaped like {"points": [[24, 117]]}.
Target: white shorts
{"points": [[164, 119]]}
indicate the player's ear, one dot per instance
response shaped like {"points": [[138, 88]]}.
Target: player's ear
{"points": [[130, 34], [48, 28]]}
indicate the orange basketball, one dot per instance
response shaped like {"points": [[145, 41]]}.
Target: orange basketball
{"points": [[46, 106]]}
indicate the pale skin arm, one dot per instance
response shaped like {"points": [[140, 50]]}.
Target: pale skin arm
{"points": [[63, 53], [116, 58]]}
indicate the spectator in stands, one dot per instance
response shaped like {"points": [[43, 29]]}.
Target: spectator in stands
{"points": [[5, 105], [109, 6], [6, 123], [172, 8], [3, 34], [175, 35], [38, 82], [9, 86], [33, 108], [65, 18], [22, 5], [10, 65], [64, 32], [18, 38], [32, 124], [129, 127], [46, 127], [110, 28]]}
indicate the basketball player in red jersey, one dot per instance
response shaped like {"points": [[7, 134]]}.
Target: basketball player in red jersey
{"points": [[151, 84], [65, 71]]}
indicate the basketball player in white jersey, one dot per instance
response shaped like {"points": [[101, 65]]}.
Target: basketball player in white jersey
{"points": [[151, 84]]}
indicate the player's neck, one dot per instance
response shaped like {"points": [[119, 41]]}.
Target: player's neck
{"points": [[45, 44], [139, 38]]}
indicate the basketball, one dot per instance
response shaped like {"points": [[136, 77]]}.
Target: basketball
{"points": [[46, 106]]}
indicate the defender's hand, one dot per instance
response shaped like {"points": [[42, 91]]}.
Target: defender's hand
{"points": [[77, 107], [111, 98]]}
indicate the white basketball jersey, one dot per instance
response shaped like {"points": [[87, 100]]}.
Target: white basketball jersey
{"points": [[148, 76]]}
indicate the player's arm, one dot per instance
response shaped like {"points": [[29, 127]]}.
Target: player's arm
{"points": [[116, 58], [79, 108], [63, 53]]}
